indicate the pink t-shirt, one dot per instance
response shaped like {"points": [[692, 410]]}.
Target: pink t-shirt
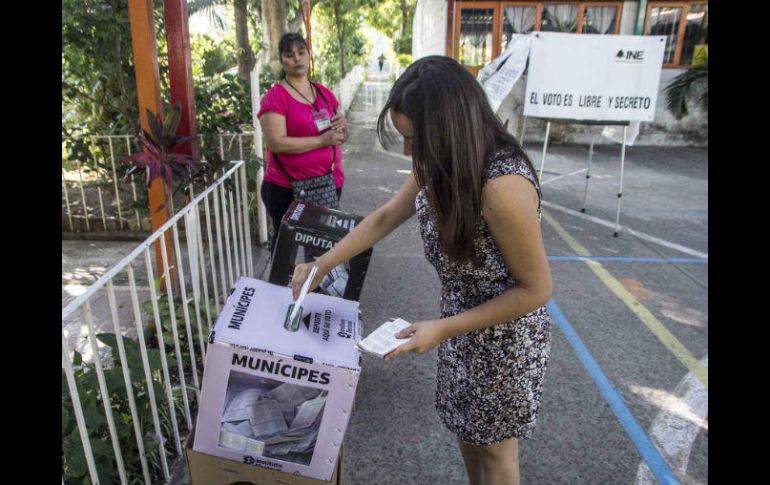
{"points": [[299, 123]]}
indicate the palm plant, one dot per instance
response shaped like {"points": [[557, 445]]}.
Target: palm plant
{"points": [[208, 8], [692, 82], [553, 23]]}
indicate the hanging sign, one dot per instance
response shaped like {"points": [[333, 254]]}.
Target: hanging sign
{"points": [[498, 77]]}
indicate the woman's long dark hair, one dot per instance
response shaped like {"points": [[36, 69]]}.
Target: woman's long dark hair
{"points": [[455, 133]]}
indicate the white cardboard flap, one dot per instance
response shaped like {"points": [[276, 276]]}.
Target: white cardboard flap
{"points": [[254, 317]]}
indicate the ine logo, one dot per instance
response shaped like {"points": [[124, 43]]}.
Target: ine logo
{"points": [[630, 55]]}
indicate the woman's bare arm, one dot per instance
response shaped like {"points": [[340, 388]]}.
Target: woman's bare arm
{"points": [[373, 228]]}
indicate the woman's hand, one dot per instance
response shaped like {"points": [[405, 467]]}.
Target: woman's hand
{"points": [[339, 122], [301, 272], [425, 335], [331, 137]]}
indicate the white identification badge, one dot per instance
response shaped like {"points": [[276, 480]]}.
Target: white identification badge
{"points": [[321, 120]]}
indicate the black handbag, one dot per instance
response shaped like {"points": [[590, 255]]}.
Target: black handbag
{"points": [[316, 190]]}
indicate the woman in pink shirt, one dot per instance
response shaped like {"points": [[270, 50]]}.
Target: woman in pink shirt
{"points": [[302, 125]]}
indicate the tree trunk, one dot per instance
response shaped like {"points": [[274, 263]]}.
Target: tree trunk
{"points": [[274, 26], [245, 54], [404, 18], [125, 100], [340, 26], [299, 20]]}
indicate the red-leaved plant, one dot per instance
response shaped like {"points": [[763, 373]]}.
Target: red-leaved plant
{"points": [[158, 158]]}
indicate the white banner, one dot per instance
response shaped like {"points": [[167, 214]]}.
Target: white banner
{"points": [[593, 77], [498, 77]]}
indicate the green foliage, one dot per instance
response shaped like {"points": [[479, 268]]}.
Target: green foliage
{"points": [[385, 17], [326, 37], [403, 45], [266, 79], [208, 8], [210, 57], [293, 18], [394, 19], [404, 59], [74, 467], [164, 312], [98, 82], [99, 85], [355, 54], [691, 83], [96, 58], [222, 99], [98, 79], [222, 103]]}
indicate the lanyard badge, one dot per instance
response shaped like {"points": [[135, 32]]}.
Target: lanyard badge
{"points": [[321, 119]]}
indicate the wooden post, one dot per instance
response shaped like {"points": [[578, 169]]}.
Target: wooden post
{"points": [[180, 71], [145, 50]]}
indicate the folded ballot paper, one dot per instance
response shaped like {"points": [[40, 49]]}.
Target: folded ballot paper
{"points": [[383, 340]]}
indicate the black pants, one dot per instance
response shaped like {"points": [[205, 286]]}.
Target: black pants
{"points": [[277, 200]]}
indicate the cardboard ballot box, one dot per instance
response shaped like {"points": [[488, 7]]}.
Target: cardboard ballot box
{"points": [[274, 398], [211, 470], [307, 231]]}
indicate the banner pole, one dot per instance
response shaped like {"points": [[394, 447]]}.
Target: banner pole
{"points": [[588, 172], [545, 147], [620, 188]]}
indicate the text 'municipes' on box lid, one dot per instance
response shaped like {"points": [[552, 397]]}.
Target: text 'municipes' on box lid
{"points": [[254, 314]]}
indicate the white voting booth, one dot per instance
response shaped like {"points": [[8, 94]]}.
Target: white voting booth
{"points": [[608, 80]]}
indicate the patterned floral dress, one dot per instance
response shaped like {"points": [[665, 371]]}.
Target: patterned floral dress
{"points": [[490, 380]]}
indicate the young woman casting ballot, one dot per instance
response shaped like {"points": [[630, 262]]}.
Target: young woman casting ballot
{"points": [[477, 200]]}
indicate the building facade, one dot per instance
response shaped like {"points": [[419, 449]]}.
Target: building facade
{"points": [[476, 32]]}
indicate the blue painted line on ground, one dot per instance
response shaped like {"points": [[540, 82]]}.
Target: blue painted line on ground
{"points": [[649, 453], [629, 260]]}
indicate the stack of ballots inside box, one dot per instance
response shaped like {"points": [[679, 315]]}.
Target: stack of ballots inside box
{"points": [[280, 421]]}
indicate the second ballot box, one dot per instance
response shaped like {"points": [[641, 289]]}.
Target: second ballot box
{"points": [[307, 231]]}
